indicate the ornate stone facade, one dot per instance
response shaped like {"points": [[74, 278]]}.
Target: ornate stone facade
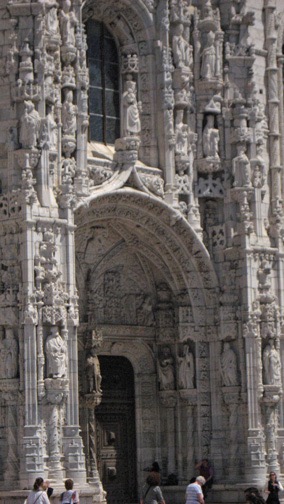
{"points": [[164, 246]]}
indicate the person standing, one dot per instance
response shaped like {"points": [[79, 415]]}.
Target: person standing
{"points": [[273, 488], [194, 494], [206, 470], [151, 492], [38, 494], [70, 496]]}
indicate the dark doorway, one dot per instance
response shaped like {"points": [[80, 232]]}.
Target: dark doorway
{"points": [[116, 438]]}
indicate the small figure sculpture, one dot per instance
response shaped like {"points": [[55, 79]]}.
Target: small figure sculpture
{"points": [[166, 370], [29, 126], [271, 364], [211, 139], [241, 168], [93, 371], [8, 355], [181, 48], [260, 172], [51, 22], [186, 369], [69, 111], [181, 133], [49, 131], [208, 58], [56, 354], [68, 21], [11, 354], [229, 366], [131, 109]]}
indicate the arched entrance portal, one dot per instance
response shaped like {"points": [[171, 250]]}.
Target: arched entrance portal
{"points": [[147, 290], [115, 426]]}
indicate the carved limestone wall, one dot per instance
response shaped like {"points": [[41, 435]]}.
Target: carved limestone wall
{"points": [[164, 246]]}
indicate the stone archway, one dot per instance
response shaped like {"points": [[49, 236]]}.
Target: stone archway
{"points": [[146, 285]]}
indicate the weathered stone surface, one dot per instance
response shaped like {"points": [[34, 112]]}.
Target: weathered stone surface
{"points": [[164, 247]]}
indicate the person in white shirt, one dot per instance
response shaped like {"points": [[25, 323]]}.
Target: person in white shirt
{"points": [[194, 494], [38, 494], [70, 496]]}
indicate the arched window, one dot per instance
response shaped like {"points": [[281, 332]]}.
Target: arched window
{"points": [[104, 84]]}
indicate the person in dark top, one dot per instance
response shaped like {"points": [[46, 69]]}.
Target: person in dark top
{"points": [[154, 470], [273, 488], [206, 470]]}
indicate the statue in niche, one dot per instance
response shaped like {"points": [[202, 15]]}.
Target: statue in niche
{"points": [[186, 369], [9, 355], [241, 168], [211, 139], [49, 131], [181, 133], [259, 172], [166, 370], [68, 21], [69, 114], [208, 58], [131, 109], [29, 126], [56, 354], [229, 366], [181, 48], [263, 276], [271, 364], [51, 21], [93, 371]]}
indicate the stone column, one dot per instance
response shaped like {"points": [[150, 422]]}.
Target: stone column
{"points": [[273, 112], [256, 466], [92, 400], [168, 400], [189, 400], [270, 402]]}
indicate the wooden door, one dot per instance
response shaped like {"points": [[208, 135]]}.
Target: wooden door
{"points": [[116, 438]]}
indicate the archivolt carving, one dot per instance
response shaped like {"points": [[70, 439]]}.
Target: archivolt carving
{"points": [[169, 235], [127, 23]]}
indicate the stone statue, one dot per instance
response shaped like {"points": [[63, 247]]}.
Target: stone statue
{"points": [[259, 172], [68, 21], [166, 370], [229, 366], [131, 114], [186, 369], [9, 355], [56, 354], [29, 126], [181, 133], [93, 371], [271, 364], [51, 22], [49, 131], [241, 168], [208, 58], [69, 115], [211, 139], [181, 48]]}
